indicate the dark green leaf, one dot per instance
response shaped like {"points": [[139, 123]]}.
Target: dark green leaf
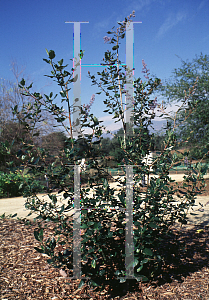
{"points": [[93, 283], [148, 251], [93, 263], [39, 250], [117, 272], [115, 47], [90, 223], [153, 225], [51, 54], [84, 226], [134, 264], [30, 86], [81, 284], [62, 209], [141, 278], [101, 272], [38, 234], [46, 60], [60, 62], [144, 261], [22, 82], [140, 268]]}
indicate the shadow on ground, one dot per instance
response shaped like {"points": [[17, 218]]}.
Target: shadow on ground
{"points": [[185, 253], [189, 254]]}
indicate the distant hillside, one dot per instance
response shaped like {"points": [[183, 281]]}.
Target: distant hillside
{"points": [[158, 125]]}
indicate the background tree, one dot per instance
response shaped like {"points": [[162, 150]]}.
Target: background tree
{"points": [[115, 148], [195, 128], [158, 142], [11, 127], [54, 142], [106, 145], [112, 147], [12, 131]]}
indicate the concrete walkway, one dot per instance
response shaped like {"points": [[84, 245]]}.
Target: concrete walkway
{"points": [[16, 205]]}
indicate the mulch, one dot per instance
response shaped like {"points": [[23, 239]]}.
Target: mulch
{"points": [[25, 273]]}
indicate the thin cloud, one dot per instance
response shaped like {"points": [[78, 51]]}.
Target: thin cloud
{"points": [[114, 126], [115, 16], [170, 22], [141, 7], [109, 123], [205, 38], [101, 27], [138, 5], [107, 118], [202, 3]]}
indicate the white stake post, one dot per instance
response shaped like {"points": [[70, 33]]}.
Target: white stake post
{"points": [[129, 244]]}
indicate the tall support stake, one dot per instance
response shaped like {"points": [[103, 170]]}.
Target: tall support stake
{"points": [[77, 225], [76, 131], [129, 76], [129, 244], [77, 77]]}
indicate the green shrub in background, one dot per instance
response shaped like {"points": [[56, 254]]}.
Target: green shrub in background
{"points": [[155, 207], [15, 184], [10, 185]]}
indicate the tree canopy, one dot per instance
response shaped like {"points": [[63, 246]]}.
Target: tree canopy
{"points": [[192, 76]]}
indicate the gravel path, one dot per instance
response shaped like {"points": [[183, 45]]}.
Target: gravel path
{"points": [[16, 205]]}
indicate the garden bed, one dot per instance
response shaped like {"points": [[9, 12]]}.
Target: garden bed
{"points": [[25, 274]]}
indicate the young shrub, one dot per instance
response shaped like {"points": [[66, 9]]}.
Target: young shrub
{"points": [[156, 207]]}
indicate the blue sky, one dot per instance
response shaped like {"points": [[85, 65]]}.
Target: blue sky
{"points": [[169, 29]]}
